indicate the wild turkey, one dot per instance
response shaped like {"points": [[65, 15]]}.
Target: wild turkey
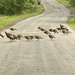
{"points": [[46, 32], [1, 35], [39, 2], [19, 36], [51, 30], [31, 37], [27, 37], [11, 36], [12, 29], [42, 29], [51, 36], [55, 31], [64, 31], [62, 26], [58, 29], [38, 37], [39, 27]]}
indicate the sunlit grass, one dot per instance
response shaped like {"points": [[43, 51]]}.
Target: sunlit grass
{"points": [[5, 20], [71, 23], [65, 2]]}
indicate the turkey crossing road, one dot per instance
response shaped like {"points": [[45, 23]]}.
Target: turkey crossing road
{"points": [[43, 57]]}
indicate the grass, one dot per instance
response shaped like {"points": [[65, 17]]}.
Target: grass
{"points": [[65, 2], [71, 21], [5, 20]]}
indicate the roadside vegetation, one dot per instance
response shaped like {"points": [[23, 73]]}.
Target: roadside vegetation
{"points": [[71, 4], [12, 10], [65, 2]]}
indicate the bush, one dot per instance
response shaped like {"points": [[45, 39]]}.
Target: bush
{"points": [[12, 7]]}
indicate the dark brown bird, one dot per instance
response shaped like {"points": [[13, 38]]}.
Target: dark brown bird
{"points": [[31, 37], [47, 32], [62, 26], [51, 36], [58, 29], [51, 30], [38, 37], [12, 29], [27, 37], [65, 31], [19, 36], [39, 27], [1, 35], [42, 29], [11, 36], [39, 2], [55, 31]]}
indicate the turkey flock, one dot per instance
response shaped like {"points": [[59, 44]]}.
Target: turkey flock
{"points": [[48, 32]]}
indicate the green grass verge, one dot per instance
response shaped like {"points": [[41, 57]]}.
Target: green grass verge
{"points": [[65, 2], [5, 20], [71, 21]]}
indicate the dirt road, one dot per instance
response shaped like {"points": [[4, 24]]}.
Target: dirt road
{"points": [[43, 57]]}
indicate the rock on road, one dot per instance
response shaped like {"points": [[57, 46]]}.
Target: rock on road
{"points": [[43, 57]]}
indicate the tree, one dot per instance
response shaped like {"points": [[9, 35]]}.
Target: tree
{"points": [[72, 2], [12, 7]]}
